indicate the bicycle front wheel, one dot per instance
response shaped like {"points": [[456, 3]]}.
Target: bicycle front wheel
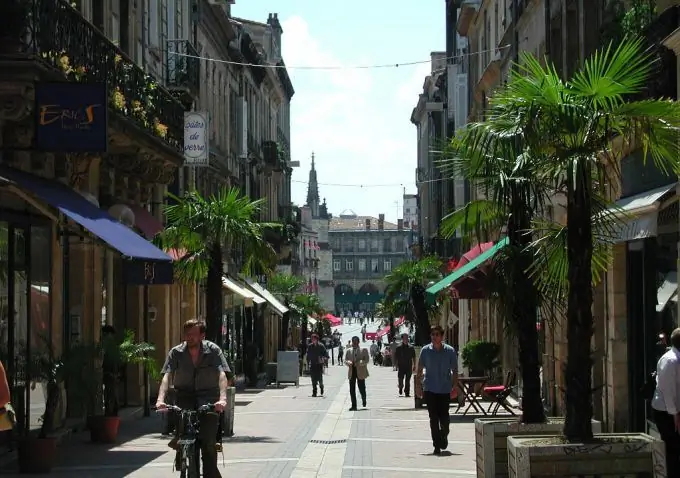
{"points": [[190, 463]]}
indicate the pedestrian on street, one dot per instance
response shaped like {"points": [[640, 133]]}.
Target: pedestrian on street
{"points": [[405, 360], [666, 404], [340, 352], [356, 360], [316, 355], [440, 363]]}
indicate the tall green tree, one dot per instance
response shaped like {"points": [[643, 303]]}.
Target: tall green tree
{"points": [[285, 287], [569, 126], [209, 231], [410, 279]]}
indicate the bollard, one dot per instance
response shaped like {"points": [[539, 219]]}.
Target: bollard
{"points": [[229, 412]]}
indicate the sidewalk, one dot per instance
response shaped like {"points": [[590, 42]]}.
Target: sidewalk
{"points": [[287, 433]]}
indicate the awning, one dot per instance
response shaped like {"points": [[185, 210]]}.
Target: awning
{"points": [[145, 221], [645, 207], [333, 320], [80, 210], [249, 298], [467, 268], [278, 307], [667, 290]]}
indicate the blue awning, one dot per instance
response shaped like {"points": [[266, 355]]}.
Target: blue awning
{"points": [[80, 210]]}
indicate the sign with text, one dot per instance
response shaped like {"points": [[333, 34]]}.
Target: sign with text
{"points": [[148, 272], [196, 142], [71, 117]]}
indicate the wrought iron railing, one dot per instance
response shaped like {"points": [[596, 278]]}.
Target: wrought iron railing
{"points": [[57, 34], [183, 66]]}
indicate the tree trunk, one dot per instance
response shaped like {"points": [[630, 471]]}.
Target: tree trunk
{"points": [[578, 370], [214, 296], [524, 315], [420, 310], [285, 322], [392, 331]]}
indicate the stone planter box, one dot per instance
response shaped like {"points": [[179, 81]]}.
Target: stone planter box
{"points": [[615, 455], [491, 438]]}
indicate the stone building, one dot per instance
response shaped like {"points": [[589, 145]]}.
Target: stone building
{"points": [[315, 216], [634, 301], [365, 250]]}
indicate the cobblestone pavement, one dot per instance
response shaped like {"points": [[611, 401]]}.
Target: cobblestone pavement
{"points": [[287, 433]]}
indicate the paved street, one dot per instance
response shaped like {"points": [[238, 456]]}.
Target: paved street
{"points": [[287, 433]]}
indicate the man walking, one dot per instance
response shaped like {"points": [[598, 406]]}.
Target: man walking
{"points": [[440, 363], [405, 361], [316, 356], [356, 360], [666, 404]]}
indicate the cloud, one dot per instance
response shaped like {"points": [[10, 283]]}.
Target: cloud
{"points": [[357, 121]]}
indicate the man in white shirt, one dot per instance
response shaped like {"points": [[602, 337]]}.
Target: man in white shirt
{"points": [[666, 404]]}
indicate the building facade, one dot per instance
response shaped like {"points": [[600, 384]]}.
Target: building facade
{"points": [[365, 250], [410, 213]]}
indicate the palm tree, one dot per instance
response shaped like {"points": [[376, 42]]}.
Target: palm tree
{"points": [[285, 287], [411, 279], [568, 127], [304, 306], [204, 229], [497, 161], [392, 307]]}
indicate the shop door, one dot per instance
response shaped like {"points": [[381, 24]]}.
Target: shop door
{"points": [[14, 304]]}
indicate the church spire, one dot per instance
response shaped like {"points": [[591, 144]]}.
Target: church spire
{"points": [[313, 190]]}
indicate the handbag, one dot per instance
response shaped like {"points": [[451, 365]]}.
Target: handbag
{"points": [[7, 418]]}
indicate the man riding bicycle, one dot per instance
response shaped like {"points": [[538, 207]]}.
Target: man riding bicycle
{"points": [[198, 369]]}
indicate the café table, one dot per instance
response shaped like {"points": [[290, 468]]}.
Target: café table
{"points": [[467, 386]]}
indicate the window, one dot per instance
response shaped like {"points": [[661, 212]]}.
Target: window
{"points": [[406, 224], [349, 245], [336, 244], [362, 244], [362, 265], [374, 265], [387, 245], [374, 245], [387, 265], [336, 265], [349, 265]]}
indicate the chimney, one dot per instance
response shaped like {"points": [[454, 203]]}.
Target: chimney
{"points": [[381, 222], [368, 224], [400, 224]]}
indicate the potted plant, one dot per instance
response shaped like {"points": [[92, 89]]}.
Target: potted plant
{"points": [[114, 354], [481, 357], [37, 454]]}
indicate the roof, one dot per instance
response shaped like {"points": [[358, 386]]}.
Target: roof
{"points": [[358, 223]]}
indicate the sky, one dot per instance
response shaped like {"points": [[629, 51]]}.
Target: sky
{"points": [[356, 121]]}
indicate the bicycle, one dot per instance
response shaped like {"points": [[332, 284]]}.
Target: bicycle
{"points": [[189, 449]]}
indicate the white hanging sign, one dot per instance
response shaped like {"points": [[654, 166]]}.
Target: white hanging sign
{"points": [[196, 142]]}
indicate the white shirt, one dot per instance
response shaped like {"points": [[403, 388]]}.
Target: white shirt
{"points": [[667, 393]]}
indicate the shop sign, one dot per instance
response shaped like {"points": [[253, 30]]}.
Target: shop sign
{"points": [[71, 117], [196, 143], [148, 273]]}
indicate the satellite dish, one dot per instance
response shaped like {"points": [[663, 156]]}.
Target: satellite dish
{"points": [[91, 198], [123, 214]]}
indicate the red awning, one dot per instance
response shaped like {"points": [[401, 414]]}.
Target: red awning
{"points": [[400, 321], [383, 331], [473, 253], [146, 222], [333, 319]]}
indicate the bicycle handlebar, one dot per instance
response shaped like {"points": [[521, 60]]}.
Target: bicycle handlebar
{"points": [[202, 409]]}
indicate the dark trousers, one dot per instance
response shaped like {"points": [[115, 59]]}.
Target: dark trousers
{"points": [[666, 426], [209, 424], [353, 389], [404, 373], [316, 372], [438, 410]]}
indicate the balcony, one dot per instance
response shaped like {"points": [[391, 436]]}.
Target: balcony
{"points": [[183, 69], [65, 46], [273, 155]]}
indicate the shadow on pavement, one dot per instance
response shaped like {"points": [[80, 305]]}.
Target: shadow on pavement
{"points": [[250, 439]]}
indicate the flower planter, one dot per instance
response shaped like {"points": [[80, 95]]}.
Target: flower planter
{"points": [[104, 429], [615, 454], [491, 440], [37, 455]]}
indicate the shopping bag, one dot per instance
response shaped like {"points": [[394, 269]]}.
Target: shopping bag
{"points": [[7, 418]]}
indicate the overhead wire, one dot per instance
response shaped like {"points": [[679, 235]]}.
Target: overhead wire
{"points": [[337, 67]]}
